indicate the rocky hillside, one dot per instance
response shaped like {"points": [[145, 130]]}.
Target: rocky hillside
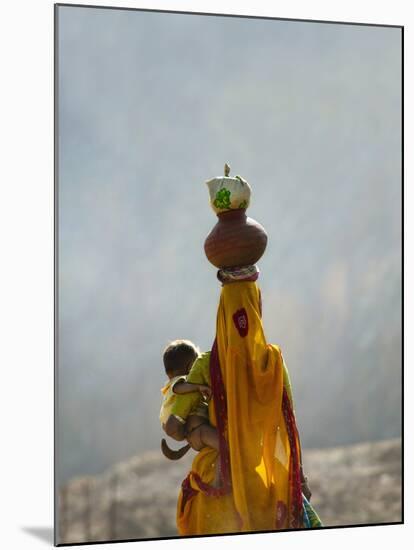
{"points": [[358, 484]]}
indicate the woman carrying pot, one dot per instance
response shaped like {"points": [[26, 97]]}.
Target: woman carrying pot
{"points": [[261, 483]]}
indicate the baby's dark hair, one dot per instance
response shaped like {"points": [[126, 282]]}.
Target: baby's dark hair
{"points": [[178, 354]]}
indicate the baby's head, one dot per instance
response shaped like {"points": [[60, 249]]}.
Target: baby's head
{"points": [[179, 357]]}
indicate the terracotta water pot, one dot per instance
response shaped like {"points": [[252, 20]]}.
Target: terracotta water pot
{"points": [[235, 240]]}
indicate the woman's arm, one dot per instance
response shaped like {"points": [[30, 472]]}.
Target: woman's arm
{"points": [[286, 382], [288, 387]]}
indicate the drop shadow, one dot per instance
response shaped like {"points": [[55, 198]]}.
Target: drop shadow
{"points": [[42, 533]]}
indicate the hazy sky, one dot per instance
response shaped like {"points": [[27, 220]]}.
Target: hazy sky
{"points": [[152, 105]]}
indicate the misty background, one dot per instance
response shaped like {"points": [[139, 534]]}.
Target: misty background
{"points": [[150, 106]]}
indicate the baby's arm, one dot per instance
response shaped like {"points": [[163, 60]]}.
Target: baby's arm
{"points": [[182, 387]]}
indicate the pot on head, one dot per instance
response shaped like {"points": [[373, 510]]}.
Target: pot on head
{"points": [[236, 240]]}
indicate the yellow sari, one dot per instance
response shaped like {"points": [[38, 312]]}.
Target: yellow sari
{"points": [[259, 446]]}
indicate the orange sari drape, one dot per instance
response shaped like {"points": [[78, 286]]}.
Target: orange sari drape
{"points": [[258, 431]]}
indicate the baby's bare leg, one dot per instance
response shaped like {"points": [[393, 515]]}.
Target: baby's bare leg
{"points": [[193, 434], [206, 436], [209, 436], [200, 434]]}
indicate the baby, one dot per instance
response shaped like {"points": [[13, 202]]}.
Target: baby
{"points": [[178, 358]]}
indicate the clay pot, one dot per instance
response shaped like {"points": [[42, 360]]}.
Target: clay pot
{"points": [[235, 240]]}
